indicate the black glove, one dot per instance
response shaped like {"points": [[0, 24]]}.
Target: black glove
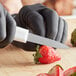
{"points": [[7, 27], [42, 21]]}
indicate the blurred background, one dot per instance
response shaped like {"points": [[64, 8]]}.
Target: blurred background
{"points": [[63, 7], [74, 10]]}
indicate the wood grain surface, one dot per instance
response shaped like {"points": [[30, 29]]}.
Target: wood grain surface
{"points": [[17, 62]]}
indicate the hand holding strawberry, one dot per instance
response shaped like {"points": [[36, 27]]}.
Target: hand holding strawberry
{"points": [[46, 55]]}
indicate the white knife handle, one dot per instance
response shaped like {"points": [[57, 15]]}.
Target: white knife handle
{"points": [[21, 34]]}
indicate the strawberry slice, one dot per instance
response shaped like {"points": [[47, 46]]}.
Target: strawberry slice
{"points": [[44, 74], [46, 55], [70, 72], [56, 71]]}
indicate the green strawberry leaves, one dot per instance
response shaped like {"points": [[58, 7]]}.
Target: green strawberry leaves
{"points": [[37, 55]]}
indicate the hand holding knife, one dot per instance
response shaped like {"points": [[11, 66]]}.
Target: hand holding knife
{"points": [[23, 35], [53, 28]]}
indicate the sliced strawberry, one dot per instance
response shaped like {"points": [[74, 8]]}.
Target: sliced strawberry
{"points": [[56, 71], [44, 74], [70, 72]]}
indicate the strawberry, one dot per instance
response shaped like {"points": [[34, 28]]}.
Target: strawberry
{"points": [[44, 74], [56, 71], [46, 55], [70, 72]]}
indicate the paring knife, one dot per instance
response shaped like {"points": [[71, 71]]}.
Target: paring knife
{"points": [[23, 35]]}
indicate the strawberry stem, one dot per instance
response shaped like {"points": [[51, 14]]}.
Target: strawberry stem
{"points": [[37, 55]]}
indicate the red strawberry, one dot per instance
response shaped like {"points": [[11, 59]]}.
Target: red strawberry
{"points": [[56, 71], [44, 74], [46, 55], [70, 72]]}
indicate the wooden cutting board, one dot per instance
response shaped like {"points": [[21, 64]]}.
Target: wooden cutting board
{"points": [[17, 62]]}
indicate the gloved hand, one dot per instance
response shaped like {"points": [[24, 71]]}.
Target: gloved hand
{"points": [[7, 27], [42, 21]]}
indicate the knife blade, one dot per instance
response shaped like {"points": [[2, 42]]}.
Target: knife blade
{"points": [[23, 35]]}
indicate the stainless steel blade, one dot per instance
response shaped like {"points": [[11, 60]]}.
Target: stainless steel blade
{"points": [[45, 41]]}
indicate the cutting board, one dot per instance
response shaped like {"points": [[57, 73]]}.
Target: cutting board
{"points": [[17, 62]]}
